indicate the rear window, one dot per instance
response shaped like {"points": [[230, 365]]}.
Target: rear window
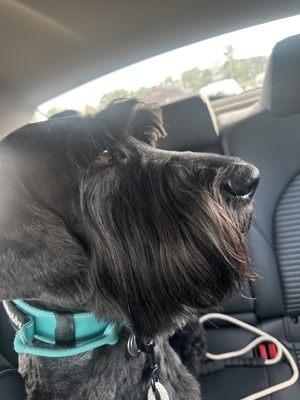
{"points": [[219, 67]]}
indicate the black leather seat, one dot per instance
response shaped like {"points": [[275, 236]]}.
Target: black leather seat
{"points": [[267, 135], [11, 385], [7, 336], [191, 126], [11, 381]]}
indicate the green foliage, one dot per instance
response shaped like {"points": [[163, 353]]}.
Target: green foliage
{"points": [[142, 92], [196, 78], [90, 110], [54, 110], [242, 70], [111, 96], [229, 52], [170, 82]]}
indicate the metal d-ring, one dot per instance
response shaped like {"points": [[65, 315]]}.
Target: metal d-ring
{"points": [[132, 347]]}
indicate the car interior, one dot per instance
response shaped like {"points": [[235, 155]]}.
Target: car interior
{"points": [[263, 134], [263, 131]]}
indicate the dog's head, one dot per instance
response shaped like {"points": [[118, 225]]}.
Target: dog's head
{"points": [[94, 217]]}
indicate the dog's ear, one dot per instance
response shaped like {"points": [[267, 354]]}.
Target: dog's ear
{"points": [[40, 257], [65, 114], [144, 122], [147, 124]]}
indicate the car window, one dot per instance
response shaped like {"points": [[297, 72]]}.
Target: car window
{"points": [[222, 66]]}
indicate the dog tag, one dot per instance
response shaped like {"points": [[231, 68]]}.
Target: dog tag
{"points": [[161, 391]]}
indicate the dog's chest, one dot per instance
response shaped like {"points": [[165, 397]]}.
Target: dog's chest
{"points": [[107, 375]]}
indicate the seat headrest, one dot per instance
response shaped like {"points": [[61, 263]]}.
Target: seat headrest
{"points": [[281, 89], [190, 125]]}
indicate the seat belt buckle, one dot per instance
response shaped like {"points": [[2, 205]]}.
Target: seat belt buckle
{"points": [[267, 351]]}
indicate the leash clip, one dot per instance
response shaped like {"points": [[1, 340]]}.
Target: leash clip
{"points": [[156, 390]]}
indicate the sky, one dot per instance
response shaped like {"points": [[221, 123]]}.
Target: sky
{"points": [[249, 42]]}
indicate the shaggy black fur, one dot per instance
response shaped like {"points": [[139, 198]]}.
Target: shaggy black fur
{"points": [[94, 217]]}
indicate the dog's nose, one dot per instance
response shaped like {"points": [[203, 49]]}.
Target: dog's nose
{"points": [[243, 181]]}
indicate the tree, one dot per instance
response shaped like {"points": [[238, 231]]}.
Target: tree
{"points": [[142, 92], [195, 78], [107, 98], [229, 52], [53, 110], [90, 110], [170, 82], [245, 70], [229, 67]]}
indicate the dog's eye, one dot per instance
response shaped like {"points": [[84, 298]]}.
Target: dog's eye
{"points": [[105, 156]]}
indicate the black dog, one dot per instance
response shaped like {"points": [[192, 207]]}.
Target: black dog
{"points": [[95, 218]]}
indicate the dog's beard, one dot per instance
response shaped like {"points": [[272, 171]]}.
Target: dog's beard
{"points": [[163, 245]]}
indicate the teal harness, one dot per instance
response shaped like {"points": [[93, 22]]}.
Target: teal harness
{"points": [[65, 334]]}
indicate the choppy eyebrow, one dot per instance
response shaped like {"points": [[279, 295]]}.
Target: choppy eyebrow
{"points": [[109, 135]]}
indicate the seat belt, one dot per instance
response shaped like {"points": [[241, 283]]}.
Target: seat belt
{"points": [[261, 338]]}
